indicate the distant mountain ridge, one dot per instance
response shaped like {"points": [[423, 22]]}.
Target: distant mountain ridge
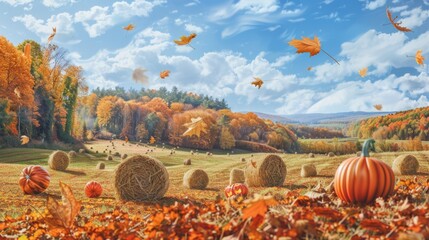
{"points": [[318, 118]]}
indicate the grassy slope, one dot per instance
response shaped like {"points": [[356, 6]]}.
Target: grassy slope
{"points": [[82, 169]]}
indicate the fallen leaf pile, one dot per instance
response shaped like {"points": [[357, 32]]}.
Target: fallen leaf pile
{"points": [[404, 214]]}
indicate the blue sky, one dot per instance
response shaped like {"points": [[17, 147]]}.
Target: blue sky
{"points": [[238, 40]]}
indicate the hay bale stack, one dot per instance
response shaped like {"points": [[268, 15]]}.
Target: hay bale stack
{"points": [[124, 156], [331, 154], [269, 172], [72, 154], [236, 176], [358, 153], [81, 150], [59, 160], [308, 170], [100, 166], [195, 179], [311, 155], [109, 158], [141, 178], [187, 162], [405, 165]]}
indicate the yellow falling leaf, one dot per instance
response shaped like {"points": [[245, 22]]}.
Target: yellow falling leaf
{"points": [[195, 127], [258, 82], [129, 27], [24, 140], [363, 72], [51, 37], [419, 58]]}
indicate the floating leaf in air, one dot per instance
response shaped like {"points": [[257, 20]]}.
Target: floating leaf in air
{"points": [[164, 74], [419, 58], [309, 68], [152, 140], [258, 206], [253, 163], [129, 27], [24, 140], [363, 72], [195, 127], [258, 82], [185, 40], [139, 75], [63, 215], [397, 25], [51, 37], [309, 45], [378, 107]]}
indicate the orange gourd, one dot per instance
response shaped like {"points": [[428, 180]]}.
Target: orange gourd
{"points": [[93, 189], [34, 180], [363, 179]]}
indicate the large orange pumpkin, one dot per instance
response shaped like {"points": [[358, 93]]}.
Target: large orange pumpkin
{"points": [[34, 180], [93, 189], [363, 179]]}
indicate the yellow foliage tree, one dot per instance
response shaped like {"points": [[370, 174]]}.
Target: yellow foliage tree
{"points": [[226, 140]]}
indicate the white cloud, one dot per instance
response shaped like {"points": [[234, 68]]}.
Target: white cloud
{"points": [[328, 1], [280, 61], [297, 102], [398, 8], [57, 3], [380, 52], [178, 21], [273, 28], [372, 5], [192, 28], [63, 22], [98, 19], [414, 18], [16, 2]]}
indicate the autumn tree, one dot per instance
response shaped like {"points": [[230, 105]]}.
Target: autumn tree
{"points": [[226, 139]]}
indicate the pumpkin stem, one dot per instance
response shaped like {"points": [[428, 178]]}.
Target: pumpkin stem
{"points": [[368, 145]]}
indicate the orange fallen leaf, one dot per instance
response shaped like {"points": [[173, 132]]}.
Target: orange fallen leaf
{"points": [[152, 140], [129, 27], [63, 215], [164, 74], [309, 68], [308, 45], [419, 57], [258, 206], [363, 72], [51, 37], [258, 82], [378, 107], [375, 225], [195, 127], [126, 139], [185, 40], [397, 25]]}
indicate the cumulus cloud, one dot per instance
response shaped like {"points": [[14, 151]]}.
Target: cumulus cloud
{"points": [[98, 19], [57, 3], [372, 5], [16, 2], [414, 18], [62, 21], [193, 28]]}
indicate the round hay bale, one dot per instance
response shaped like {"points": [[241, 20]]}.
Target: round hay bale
{"points": [[187, 162], [109, 158], [269, 172], [100, 166], [331, 154], [81, 150], [311, 155], [308, 170], [236, 176], [141, 178], [358, 153], [195, 179], [96, 151], [243, 159], [208, 153], [117, 154], [59, 160], [124, 156], [72, 154], [405, 165]]}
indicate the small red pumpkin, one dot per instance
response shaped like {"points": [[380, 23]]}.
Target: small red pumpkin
{"points": [[93, 189], [236, 189], [34, 180], [363, 179]]}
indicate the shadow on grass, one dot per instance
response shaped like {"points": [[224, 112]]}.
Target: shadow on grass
{"points": [[325, 176], [76, 173]]}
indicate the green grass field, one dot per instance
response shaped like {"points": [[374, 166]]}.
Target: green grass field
{"points": [[82, 169]]}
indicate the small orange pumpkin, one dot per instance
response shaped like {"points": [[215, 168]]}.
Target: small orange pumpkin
{"points": [[363, 179], [93, 189], [34, 180], [236, 189]]}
